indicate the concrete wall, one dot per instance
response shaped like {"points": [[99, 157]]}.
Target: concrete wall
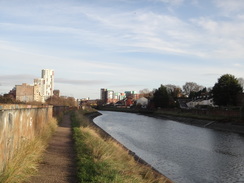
{"points": [[19, 123]]}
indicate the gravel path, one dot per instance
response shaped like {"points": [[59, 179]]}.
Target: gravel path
{"points": [[58, 165]]}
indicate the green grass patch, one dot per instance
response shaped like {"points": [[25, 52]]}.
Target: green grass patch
{"points": [[102, 160]]}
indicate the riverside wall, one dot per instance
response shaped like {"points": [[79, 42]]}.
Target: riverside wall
{"points": [[18, 124]]}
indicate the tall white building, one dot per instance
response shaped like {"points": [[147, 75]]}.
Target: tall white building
{"points": [[48, 77], [43, 87]]}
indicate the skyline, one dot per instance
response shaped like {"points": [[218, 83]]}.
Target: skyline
{"points": [[120, 45]]}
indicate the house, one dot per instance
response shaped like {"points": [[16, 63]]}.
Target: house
{"points": [[200, 102]]}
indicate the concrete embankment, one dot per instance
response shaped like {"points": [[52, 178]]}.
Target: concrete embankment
{"points": [[105, 135], [227, 126]]}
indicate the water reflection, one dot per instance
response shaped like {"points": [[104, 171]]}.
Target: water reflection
{"points": [[182, 152]]}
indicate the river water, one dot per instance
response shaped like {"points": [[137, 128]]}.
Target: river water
{"points": [[183, 153]]}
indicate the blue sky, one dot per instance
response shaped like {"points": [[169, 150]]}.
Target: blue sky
{"points": [[120, 44]]}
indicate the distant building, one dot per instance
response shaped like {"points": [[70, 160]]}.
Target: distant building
{"points": [[132, 94], [56, 93], [24, 93], [103, 95], [109, 96], [43, 87], [39, 90], [48, 76], [119, 96]]}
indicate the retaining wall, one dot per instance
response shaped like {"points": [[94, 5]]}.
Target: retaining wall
{"points": [[19, 123]]}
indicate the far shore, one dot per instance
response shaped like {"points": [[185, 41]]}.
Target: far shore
{"points": [[200, 122]]}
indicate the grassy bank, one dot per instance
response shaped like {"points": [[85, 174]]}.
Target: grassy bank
{"points": [[26, 159], [105, 161]]}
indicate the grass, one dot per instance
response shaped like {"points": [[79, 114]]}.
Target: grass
{"points": [[25, 162], [104, 160]]}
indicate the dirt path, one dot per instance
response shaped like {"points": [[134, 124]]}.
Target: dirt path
{"points": [[58, 165]]}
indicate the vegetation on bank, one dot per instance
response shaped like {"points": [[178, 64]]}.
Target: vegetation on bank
{"points": [[26, 159], [101, 160]]}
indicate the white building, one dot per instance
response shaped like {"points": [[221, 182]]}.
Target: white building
{"points": [[110, 94], [43, 87], [48, 77], [200, 102], [39, 90]]}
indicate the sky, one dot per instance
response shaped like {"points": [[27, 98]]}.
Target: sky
{"points": [[120, 45]]}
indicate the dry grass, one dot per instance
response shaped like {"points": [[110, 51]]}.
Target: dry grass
{"points": [[119, 159], [25, 160]]}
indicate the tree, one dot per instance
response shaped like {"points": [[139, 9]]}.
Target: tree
{"points": [[191, 87], [174, 91], [200, 93], [161, 97], [226, 90], [145, 93], [61, 101], [241, 82]]}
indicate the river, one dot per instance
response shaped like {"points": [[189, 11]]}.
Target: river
{"points": [[183, 153]]}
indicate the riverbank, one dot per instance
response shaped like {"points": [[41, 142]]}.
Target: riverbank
{"points": [[211, 122], [113, 161], [204, 123]]}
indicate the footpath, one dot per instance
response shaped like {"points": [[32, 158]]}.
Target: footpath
{"points": [[58, 165]]}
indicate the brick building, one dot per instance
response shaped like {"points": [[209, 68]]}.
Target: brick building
{"points": [[24, 93]]}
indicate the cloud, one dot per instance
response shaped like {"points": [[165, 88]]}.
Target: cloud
{"points": [[230, 6], [79, 82], [17, 77], [9, 81], [145, 31], [172, 2], [132, 43]]}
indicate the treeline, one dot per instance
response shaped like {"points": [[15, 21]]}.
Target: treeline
{"points": [[53, 100], [224, 92], [61, 101]]}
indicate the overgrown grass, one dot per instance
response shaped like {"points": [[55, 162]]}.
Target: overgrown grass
{"points": [[26, 159], [105, 161]]}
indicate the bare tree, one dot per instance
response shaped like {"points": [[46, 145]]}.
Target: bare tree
{"points": [[145, 93], [174, 90], [191, 87]]}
